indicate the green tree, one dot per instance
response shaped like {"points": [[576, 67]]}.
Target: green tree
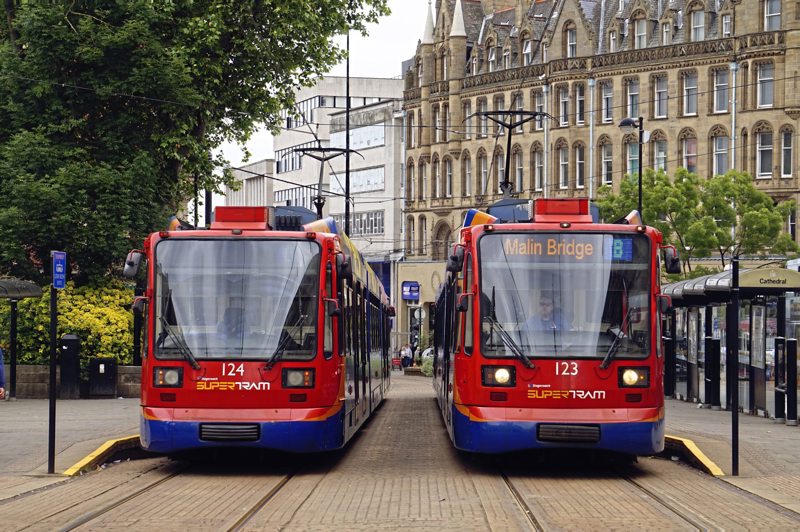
{"points": [[725, 214], [111, 111]]}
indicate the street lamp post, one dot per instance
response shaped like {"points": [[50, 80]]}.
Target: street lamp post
{"points": [[629, 125]]}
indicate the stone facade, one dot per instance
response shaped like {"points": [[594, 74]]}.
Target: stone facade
{"points": [[714, 84]]}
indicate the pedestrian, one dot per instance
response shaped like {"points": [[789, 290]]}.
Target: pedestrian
{"points": [[405, 356], [2, 374]]}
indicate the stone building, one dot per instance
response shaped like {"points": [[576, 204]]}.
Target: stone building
{"points": [[714, 83]]}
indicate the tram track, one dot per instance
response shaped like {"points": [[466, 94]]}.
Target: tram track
{"points": [[680, 513], [520, 500]]}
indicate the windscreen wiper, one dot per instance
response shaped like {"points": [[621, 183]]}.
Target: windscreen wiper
{"points": [[509, 342], [178, 341], [283, 343], [619, 334]]}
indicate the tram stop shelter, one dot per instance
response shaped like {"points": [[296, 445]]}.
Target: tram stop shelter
{"points": [[13, 290], [700, 327]]}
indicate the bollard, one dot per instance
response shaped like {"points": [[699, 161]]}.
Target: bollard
{"points": [[780, 379], [791, 381]]}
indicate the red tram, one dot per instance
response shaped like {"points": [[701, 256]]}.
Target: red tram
{"points": [[548, 332], [258, 337]]}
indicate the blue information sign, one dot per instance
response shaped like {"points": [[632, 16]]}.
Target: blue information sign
{"points": [[59, 269]]}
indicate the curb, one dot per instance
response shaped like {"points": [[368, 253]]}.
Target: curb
{"points": [[101, 454], [692, 454]]}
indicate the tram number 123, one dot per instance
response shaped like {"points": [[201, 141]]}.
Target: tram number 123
{"points": [[566, 368]]}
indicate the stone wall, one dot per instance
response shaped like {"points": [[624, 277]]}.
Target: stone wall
{"points": [[33, 381]]}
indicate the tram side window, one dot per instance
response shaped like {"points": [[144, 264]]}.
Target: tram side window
{"points": [[327, 339], [467, 316]]}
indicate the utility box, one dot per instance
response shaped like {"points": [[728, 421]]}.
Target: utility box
{"points": [[102, 377], [70, 362]]}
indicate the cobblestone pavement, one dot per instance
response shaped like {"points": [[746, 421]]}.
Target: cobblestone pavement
{"points": [[399, 473]]}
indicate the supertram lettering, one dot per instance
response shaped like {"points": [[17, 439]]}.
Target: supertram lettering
{"points": [[224, 386], [566, 394]]}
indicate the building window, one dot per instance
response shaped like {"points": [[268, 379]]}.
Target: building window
{"points": [[448, 178], [772, 15], [572, 42], [766, 75], [690, 93], [437, 126], [580, 103], [437, 176], [764, 154], [467, 120], [499, 106], [726, 26], [633, 158], [640, 34], [660, 155], [527, 52], [412, 134], [660, 97], [633, 97], [612, 42], [665, 34], [445, 122], [721, 158], [506, 59], [466, 169], [519, 171], [410, 236], [423, 236], [518, 104], [607, 102], [410, 180], [492, 58], [563, 106], [563, 167], [482, 120], [786, 154], [484, 170], [538, 170], [539, 108], [607, 164], [580, 166], [423, 181], [721, 91], [698, 19], [499, 170], [690, 154]]}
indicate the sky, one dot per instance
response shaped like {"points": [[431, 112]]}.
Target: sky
{"points": [[380, 54]]}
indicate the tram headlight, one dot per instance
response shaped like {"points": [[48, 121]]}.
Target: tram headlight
{"points": [[498, 376], [634, 377], [167, 377], [298, 378]]}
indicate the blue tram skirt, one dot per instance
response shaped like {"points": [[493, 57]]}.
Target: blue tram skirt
{"points": [[290, 436], [635, 438]]}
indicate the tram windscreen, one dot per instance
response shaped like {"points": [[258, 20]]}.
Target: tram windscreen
{"points": [[570, 295], [236, 298]]}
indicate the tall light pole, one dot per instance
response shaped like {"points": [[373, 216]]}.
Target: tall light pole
{"points": [[629, 125]]}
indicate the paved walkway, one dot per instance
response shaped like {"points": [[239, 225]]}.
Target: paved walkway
{"points": [[769, 453]]}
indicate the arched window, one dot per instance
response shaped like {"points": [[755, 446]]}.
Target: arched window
{"points": [[658, 147], [423, 236], [579, 158], [410, 181], [570, 39], [466, 174], [537, 166], [499, 169], [441, 241], [562, 162], [605, 154], [422, 180], [688, 146], [447, 177], [410, 235], [639, 21], [764, 147], [787, 151], [719, 141], [483, 172], [436, 177]]}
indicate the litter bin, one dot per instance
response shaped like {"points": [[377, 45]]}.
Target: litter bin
{"points": [[102, 377], [70, 363]]}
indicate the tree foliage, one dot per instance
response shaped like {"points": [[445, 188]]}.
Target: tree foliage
{"points": [[725, 215], [111, 110]]}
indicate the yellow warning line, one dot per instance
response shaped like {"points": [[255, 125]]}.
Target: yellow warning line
{"points": [[697, 455], [101, 453]]}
